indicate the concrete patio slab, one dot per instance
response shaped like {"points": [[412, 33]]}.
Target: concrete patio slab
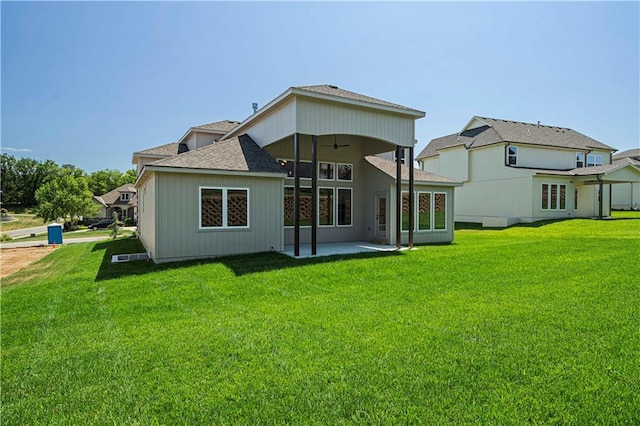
{"points": [[330, 249]]}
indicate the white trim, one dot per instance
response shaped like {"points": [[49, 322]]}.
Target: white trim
{"points": [[225, 191], [433, 210], [417, 214], [334, 218], [284, 187], [333, 170], [338, 172], [212, 172], [350, 189], [557, 209]]}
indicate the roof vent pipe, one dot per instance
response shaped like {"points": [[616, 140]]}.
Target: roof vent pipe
{"points": [[255, 107], [538, 123]]}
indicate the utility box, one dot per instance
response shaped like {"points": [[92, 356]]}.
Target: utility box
{"points": [[54, 233]]}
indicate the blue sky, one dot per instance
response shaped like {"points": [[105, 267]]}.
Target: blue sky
{"points": [[89, 83]]}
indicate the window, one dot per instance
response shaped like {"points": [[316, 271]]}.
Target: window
{"points": [[512, 155], [579, 159], [553, 196], [594, 160], [224, 207], [439, 210], [431, 211], [424, 211], [306, 171], [344, 206], [125, 196], [305, 206], [405, 211], [325, 206], [345, 172], [402, 156], [325, 171]]}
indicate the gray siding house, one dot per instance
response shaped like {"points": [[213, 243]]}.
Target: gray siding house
{"points": [[304, 169]]}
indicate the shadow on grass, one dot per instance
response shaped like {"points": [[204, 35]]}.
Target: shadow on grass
{"points": [[240, 264]]}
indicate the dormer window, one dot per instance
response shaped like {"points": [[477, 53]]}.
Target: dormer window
{"points": [[125, 196], [579, 159], [594, 160], [512, 155]]}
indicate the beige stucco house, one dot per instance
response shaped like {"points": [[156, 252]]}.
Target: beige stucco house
{"points": [[521, 172], [626, 196], [302, 170]]}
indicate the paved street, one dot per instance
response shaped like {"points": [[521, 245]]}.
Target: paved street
{"points": [[44, 243]]}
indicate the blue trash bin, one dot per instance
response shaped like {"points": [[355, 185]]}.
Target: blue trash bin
{"points": [[54, 233]]}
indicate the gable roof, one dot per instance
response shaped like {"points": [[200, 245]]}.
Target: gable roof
{"points": [[389, 167], [223, 126], [629, 153], [335, 91], [113, 197], [165, 150], [234, 154], [506, 131]]}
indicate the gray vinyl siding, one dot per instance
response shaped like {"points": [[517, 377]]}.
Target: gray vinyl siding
{"points": [[179, 236], [147, 216]]}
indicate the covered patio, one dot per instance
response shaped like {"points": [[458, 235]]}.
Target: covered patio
{"points": [[331, 249]]}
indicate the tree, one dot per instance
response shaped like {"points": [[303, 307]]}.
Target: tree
{"points": [[67, 197], [21, 178], [103, 181]]}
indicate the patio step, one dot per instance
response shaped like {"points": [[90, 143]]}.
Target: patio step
{"points": [[381, 241]]}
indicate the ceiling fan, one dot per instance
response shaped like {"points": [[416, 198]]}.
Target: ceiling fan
{"points": [[335, 143]]}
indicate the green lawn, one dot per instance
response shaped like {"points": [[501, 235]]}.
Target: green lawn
{"points": [[21, 221], [532, 324]]}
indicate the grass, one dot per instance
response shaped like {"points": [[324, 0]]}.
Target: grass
{"points": [[22, 221], [522, 325]]}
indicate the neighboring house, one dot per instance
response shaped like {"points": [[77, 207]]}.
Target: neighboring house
{"points": [[122, 200], [302, 170], [520, 172], [626, 196]]}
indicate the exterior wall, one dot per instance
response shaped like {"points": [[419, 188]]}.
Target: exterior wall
{"points": [[455, 163], [433, 236], [546, 158], [588, 200], [569, 211], [144, 160], [324, 118], [147, 216], [191, 142], [432, 165], [177, 227], [204, 139], [626, 196]]}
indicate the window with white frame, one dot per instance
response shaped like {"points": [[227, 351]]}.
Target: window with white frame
{"points": [[125, 196], [579, 159], [345, 202], [325, 171], [512, 155], [594, 160], [326, 203], [430, 211], [224, 207], [345, 172], [553, 196]]}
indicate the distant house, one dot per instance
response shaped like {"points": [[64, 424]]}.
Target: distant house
{"points": [[301, 170], [521, 172], [626, 196], [122, 200]]}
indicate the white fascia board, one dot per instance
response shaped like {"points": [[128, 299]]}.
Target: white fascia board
{"points": [[214, 172], [429, 183], [475, 117]]}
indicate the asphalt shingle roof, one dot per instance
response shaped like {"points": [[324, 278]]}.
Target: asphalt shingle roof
{"points": [[498, 131], [389, 167], [327, 89], [167, 150], [113, 197], [237, 154], [633, 153], [223, 126]]}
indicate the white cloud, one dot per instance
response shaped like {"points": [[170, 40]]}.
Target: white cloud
{"points": [[8, 148]]}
